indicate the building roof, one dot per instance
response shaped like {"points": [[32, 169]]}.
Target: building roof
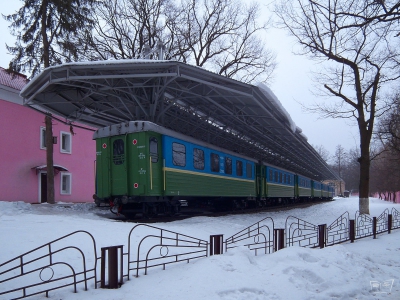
{"points": [[221, 111], [13, 80]]}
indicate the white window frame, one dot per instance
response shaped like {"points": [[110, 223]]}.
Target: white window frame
{"points": [[42, 137], [68, 190], [69, 135]]}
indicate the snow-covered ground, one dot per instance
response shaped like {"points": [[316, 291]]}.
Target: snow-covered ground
{"points": [[342, 271]]}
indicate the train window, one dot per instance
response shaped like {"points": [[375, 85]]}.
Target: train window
{"points": [[276, 176], [271, 175], [228, 165], [118, 152], [239, 168], [198, 159], [153, 145], [179, 154], [280, 177], [249, 170], [214, 162]]}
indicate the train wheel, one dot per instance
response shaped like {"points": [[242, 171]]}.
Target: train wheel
{"points": [[149, 210]]}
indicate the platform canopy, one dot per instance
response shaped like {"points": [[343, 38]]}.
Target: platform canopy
{"points": [[227, 113]]}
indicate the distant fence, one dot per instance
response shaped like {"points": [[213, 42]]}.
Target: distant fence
{"points": [[44, 269]]}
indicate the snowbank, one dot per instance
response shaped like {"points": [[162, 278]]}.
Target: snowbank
{"points": [[343, 271]]}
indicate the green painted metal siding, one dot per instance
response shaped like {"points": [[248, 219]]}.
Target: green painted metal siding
{"points": [[132, 173], [184, 183], [304, 192], [280, 190], [317, 193], [144, 176], [103, 168]]}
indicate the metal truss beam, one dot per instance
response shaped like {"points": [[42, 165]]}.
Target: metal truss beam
{"points": [[184, 98]]}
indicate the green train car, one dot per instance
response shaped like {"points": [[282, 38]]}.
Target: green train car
{"points": [[145, 168]]}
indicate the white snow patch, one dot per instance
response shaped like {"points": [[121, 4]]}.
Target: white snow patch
{"points": [[277, 104], [339, 272]]}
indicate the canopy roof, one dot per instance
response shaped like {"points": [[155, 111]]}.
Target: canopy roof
{"points": [[224, 112]]}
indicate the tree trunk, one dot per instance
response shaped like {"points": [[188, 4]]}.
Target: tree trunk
{"points": [[49, 159], [364, 161]]}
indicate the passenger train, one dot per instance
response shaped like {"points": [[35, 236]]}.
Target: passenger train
{"points": [[144, 168]]}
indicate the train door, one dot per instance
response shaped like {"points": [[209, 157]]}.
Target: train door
{"points": [[156, 183], [119, 174], [260, 180], [313, 192]]}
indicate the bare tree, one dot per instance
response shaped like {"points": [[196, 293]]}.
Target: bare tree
{"points": [[322, 152], [351, 172], [220, 35], [389, 126], [223, 36], [360, 61], [340, 162], [126, 28], [385, 179]]}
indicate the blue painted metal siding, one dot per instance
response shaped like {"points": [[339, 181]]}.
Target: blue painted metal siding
{"points": [[271, 179], [167, 152]]}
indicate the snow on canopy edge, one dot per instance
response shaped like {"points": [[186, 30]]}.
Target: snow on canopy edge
{"points": [[277, 104]]}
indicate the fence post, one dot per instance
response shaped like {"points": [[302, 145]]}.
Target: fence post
{"points": [[279, 239], [374, 227], [216, 244], [352, 231], [321, 235], [390, 217], [112, 259]]}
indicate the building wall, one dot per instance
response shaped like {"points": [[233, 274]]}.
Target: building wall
{"points": [[20, 152]]}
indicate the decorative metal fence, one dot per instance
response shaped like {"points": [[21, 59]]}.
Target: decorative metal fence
{"points": [[301, 233], [44, 269], [338, 231], [259, 236], [395, 216], [161, 248], [363, 225]]}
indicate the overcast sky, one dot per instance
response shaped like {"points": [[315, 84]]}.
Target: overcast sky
{"points": [[292, 85]]}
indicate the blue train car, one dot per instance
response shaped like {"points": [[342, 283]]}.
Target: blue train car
{"points": [[280, 183], [192, 169], [303, 186]]}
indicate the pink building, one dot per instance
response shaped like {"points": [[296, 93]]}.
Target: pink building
{"points": [[23, 152]]}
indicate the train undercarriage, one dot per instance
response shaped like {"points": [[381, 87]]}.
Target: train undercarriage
{"points": [[151, 207]]}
